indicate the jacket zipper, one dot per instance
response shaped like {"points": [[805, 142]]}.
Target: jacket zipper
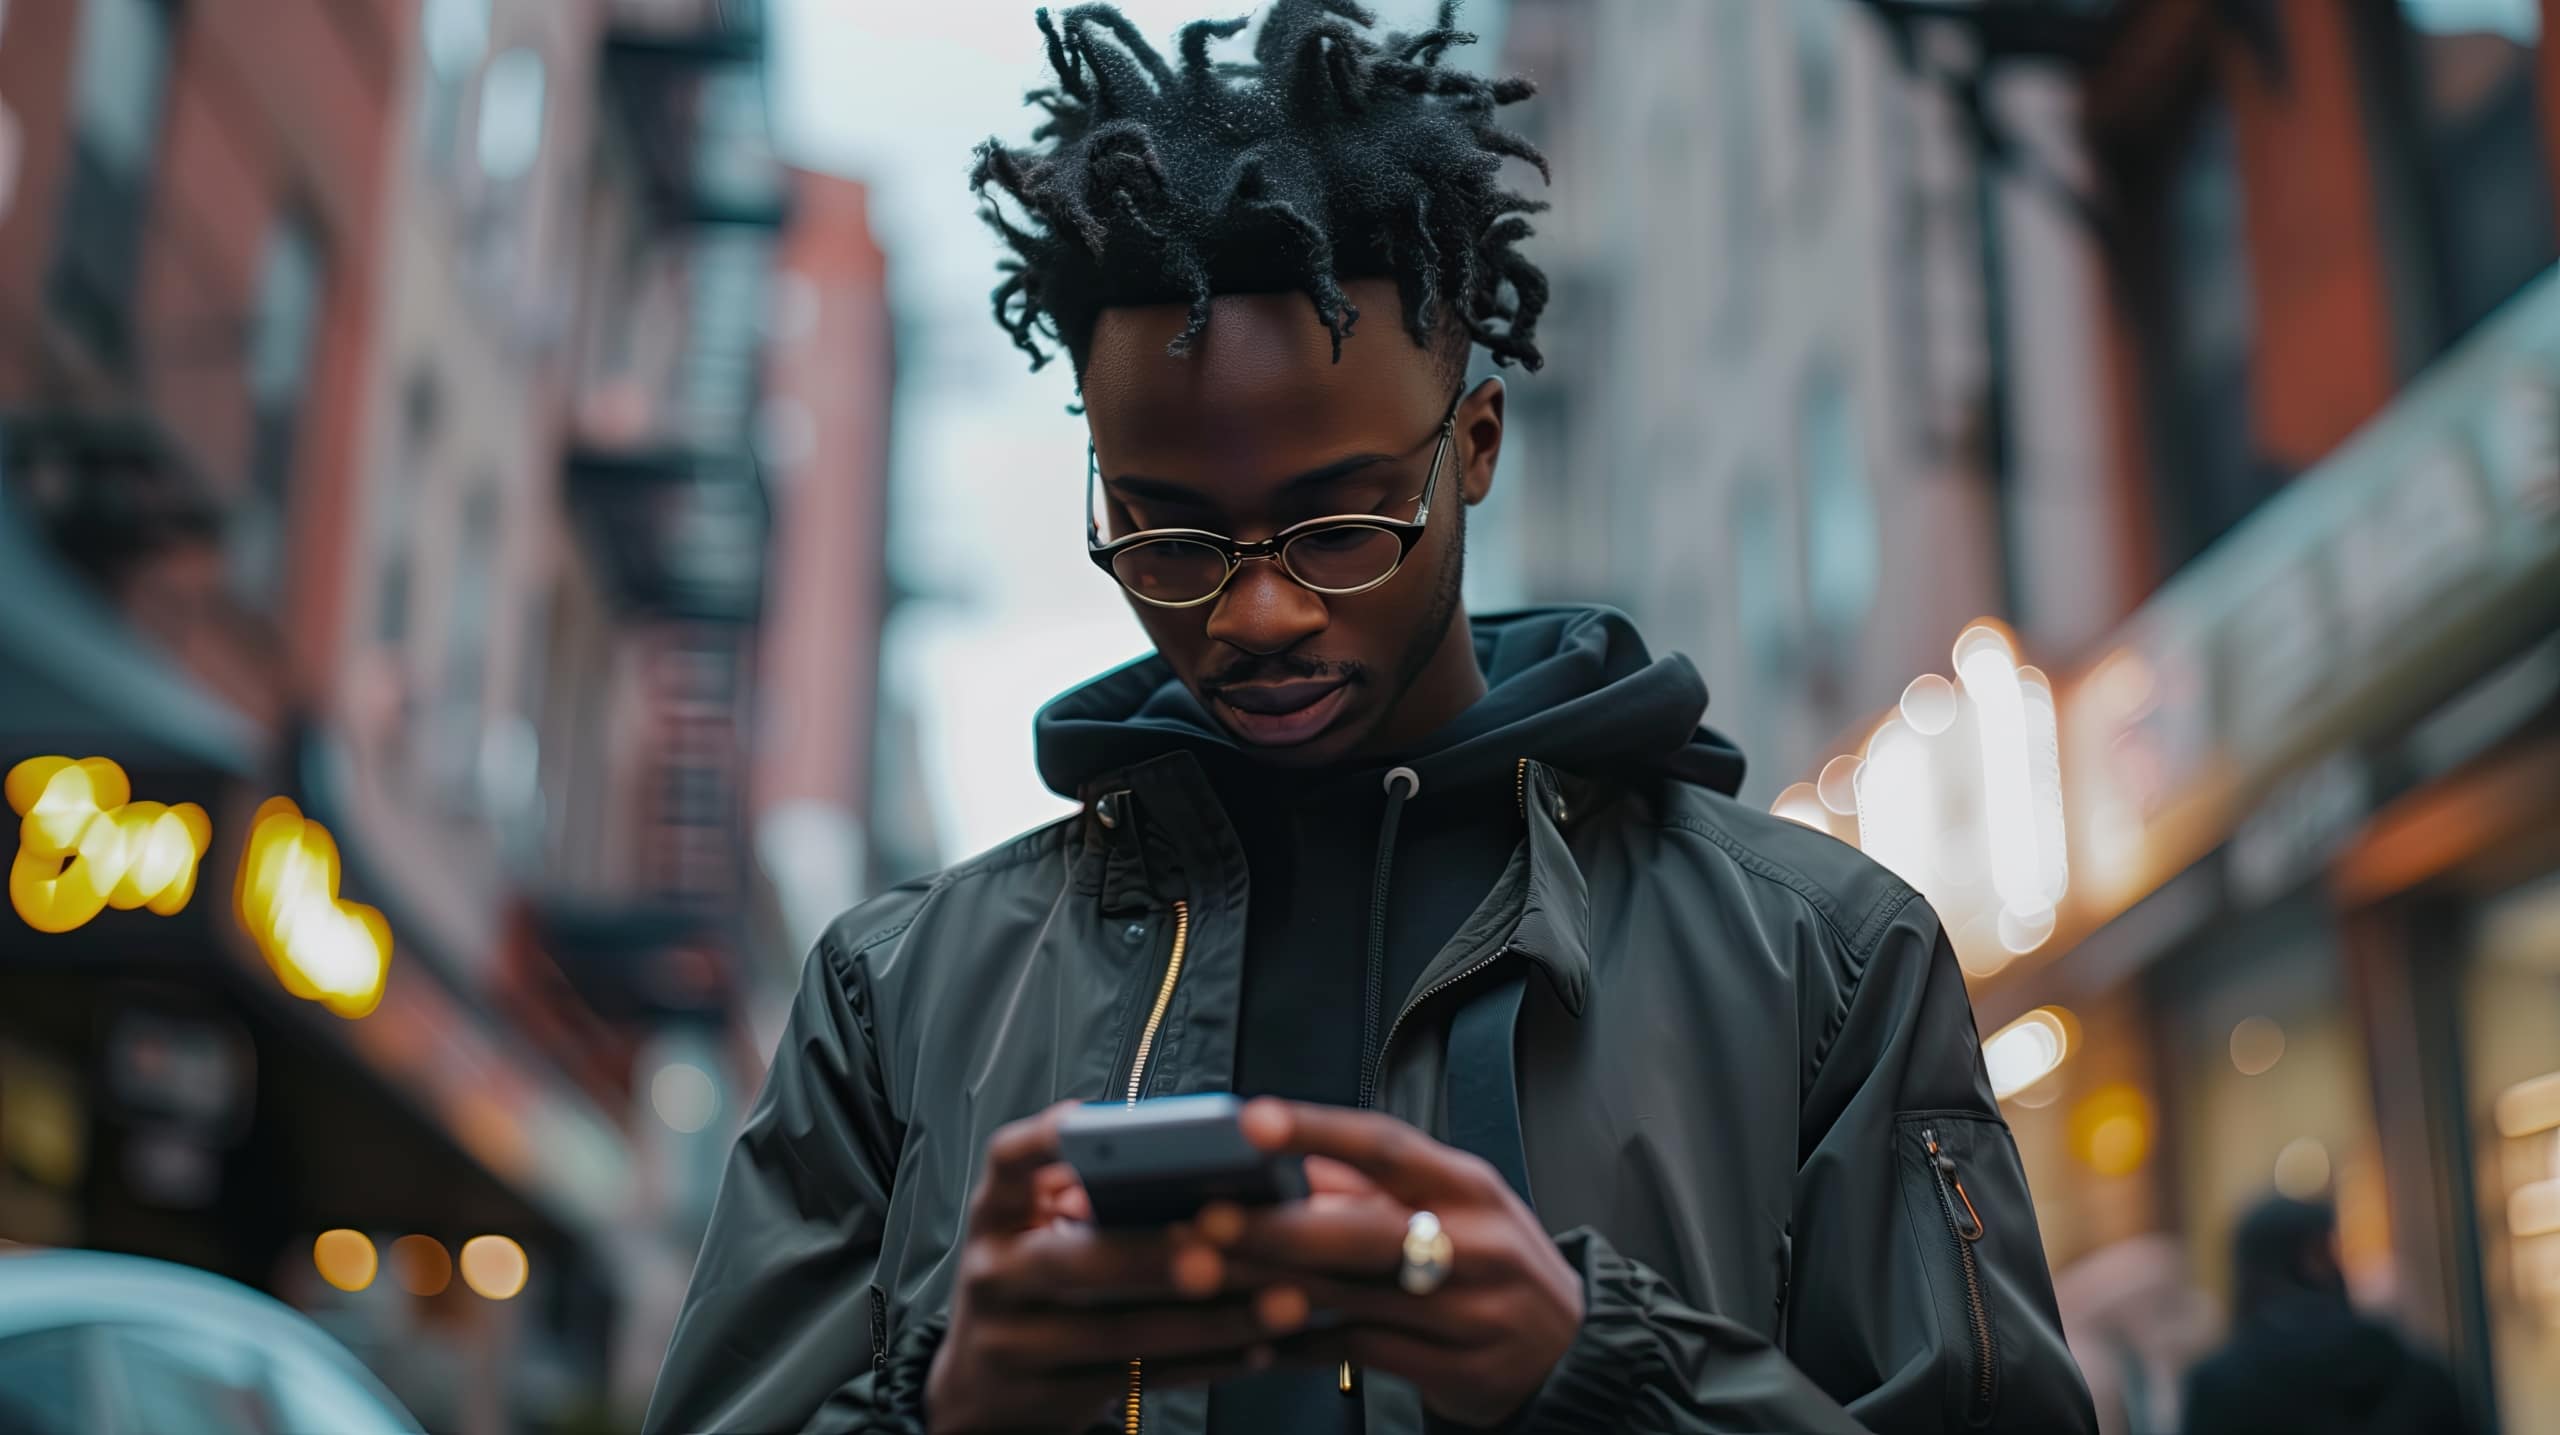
{"points": [[1346, 1378], [879, 1334], [1138, 1083], [1964, 1229]]}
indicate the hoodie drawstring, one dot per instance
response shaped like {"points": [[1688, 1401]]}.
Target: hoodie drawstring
{"points": [[1403, 784]]}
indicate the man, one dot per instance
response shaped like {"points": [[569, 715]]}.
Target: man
{"points": [[2301, 1361], [1691, 1097]]}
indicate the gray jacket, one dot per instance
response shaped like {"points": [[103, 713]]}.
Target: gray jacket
{"points": [[1751, 1100]]}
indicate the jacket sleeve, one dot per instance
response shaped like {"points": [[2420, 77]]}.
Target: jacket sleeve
{"points": [[783, 1327], [1893, 1321]]}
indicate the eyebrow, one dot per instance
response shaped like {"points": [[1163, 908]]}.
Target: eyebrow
{"points": [[1162, 490]]}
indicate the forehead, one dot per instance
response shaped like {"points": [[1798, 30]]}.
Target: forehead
{"points": [[1259, 392]]}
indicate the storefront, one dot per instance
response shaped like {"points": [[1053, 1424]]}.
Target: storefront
{"points": [[161, 1093], [2279, 909]]}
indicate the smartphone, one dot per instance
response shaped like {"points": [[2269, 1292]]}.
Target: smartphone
{"points": [[1160, 1161]]}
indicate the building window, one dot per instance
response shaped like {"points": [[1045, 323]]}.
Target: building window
{"points": [[1764, 583], [1840, 510], [1739, 135], [120, 86], [1815, 30], [2459, 80], [283, 330], [464, 682], [396, 506], [2196, 305], [455, 37]]}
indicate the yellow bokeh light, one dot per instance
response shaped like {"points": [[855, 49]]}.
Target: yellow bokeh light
{"points": [[421, 1265], [324, 950], [85, 845], [345, 1259], [2111, 1129], [494, 1266]]}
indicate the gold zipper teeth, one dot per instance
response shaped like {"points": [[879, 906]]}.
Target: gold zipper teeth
{"points": [[1164, 999], [1137, 1083]]}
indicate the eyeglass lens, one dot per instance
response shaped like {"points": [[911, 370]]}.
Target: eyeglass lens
{"points": [[1329, 560]]}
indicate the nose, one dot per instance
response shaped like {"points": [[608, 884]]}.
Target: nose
{"points": [[1264, 611]]}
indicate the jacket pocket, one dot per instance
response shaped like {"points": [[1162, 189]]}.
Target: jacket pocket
{"points": [[879, 1333], [1952, 1216]]}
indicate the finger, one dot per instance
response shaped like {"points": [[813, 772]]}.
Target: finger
{"points": [[1059, 1344], [1080, 1266], [1409, 1165], [1377, 1348], [1328, 1177], [1452, 1317], [1359, 1238], [1197, 1370], [1015, 1155]]}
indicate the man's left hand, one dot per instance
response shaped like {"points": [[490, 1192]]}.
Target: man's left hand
{"points": [[1478, 1347]]}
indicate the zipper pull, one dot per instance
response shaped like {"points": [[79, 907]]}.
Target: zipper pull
{"points": [[1946, 1165], [1347, 1380]]}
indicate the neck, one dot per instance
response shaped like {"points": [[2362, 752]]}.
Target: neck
{"points": [[1449, 684]]}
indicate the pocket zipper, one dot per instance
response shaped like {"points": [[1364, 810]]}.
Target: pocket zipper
{"points": [[1964, 1226]]}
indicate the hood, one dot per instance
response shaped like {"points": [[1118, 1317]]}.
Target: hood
{"points": [[1572, 687]]}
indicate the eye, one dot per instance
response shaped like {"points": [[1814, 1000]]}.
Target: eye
{"points": [[1346, 539]]}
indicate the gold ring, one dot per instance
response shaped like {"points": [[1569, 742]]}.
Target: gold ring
{"points": [[1427, 1255]]}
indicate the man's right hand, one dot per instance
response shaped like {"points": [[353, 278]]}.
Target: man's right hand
{"points": [[1047, 1311]]}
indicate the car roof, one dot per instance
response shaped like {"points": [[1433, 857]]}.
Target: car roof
{"points": [[49, 1289]]}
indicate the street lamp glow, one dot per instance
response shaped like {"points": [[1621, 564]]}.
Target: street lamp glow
{"points": [[2026, 1051], [1990, 673], [324, 950], [345, 1259], [494, 1267], [684, 1096], [85, 845]]}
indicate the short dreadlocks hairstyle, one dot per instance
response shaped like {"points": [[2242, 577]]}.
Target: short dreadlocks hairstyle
{"points": [[1334, 154]]}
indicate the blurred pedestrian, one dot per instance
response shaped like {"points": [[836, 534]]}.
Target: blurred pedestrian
{"points": [[2301, 1360], [1631, 1107]]}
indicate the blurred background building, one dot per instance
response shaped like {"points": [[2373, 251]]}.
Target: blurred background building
{"points": [[418, 409], [2104, 454], [2208, 351]]}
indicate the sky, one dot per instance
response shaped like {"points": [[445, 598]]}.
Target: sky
{"points": [[987, 465]]}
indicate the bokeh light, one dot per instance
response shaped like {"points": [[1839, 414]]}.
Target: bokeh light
{"points": [[1800, 803], [1837, 787], [85, 845], [421, 1265], [2529, 1106], [324, 950], [345, 1259], [1929, 704], [494, 1267], [2111, 1129], [2027, 1050], [2302, 1168], [2257, 1044], [684, 1096]]}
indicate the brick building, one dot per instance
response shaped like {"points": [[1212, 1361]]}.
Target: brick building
{"points": [[396, 400]]}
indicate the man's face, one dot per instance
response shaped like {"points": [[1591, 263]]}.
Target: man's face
{"points": [[1255, 429]]}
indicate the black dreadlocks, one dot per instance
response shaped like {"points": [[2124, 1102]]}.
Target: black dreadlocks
{"points": [[1333, 155]]}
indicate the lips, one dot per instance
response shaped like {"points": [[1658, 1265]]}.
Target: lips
{"points": [[1281, 714]]}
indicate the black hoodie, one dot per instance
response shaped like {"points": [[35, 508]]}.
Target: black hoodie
{"points": [[1572, 687]]}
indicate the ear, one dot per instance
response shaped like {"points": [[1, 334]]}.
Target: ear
{"points": [[1479, 439]]}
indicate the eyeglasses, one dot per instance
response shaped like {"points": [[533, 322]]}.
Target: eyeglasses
{"points": [[1337, 557]]}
